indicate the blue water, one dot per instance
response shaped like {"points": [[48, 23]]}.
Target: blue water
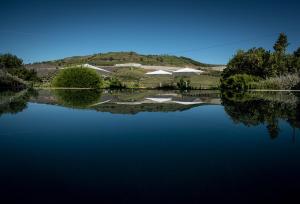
{"points": [[52, 153]]}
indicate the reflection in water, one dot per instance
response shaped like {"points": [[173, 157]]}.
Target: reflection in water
{"points": [[128, 101], [250, 109], [254, 108], [49, 153], [14, 102], [77, 98]]}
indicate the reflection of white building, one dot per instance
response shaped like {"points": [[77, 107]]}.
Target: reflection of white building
{"points": [[128, 65]]}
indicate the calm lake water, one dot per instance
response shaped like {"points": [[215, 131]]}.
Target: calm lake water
{"points": [[149, 147]]}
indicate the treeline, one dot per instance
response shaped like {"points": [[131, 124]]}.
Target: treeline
{"points": [[13, 73], [250, 67]]}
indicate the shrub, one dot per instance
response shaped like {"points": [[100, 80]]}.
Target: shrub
{"points": [[285, 82], [184, 84], [8, 61], [115, 83], [25, 74], [238, 82], [78, 77], [9, 82]]}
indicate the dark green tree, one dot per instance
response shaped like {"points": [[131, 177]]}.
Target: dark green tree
{"points": [[9, 61], [297, 52], [279, 56], [281, 44], [252, 62]]}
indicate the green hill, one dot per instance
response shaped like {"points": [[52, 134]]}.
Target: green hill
{"points": [[112, 58]]}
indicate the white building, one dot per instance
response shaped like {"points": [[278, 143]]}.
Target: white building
{"points": [[128, 65]]}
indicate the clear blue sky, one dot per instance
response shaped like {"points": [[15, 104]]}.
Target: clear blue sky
{"points": [[208, 31]]}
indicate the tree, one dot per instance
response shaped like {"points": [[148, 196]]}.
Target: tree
{"points": [[297, 52], [280, 59], [281, 44], [184, 84], [9, 61], [252, 62]]}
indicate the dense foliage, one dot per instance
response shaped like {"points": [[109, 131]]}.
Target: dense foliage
{"points": [[25, 74], [115, 83], [9, 82], [264, 64], [183, 84], [77, 77], [239, 82], [253, 62], [13, 73], [9, 61]]}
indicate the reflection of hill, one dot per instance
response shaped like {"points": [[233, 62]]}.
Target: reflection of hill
{"points": [[147, 107], [128, 101], [254, 108]]}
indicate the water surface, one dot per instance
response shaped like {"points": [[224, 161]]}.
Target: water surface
{"points": [[149, 146]]}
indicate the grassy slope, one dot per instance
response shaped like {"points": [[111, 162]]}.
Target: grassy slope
{"points": [[111, 58], [133, 77]]}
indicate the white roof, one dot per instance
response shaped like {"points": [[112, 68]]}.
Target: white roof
{"points": [[94, 67], [160, 100], [128, 65], [188, 70], [159, 72]]}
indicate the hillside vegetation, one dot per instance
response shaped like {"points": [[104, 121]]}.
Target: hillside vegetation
{"points": [[112, 58], [13, 74]]}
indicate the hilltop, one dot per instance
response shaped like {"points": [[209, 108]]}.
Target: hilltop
{"points": [[112, 58]]}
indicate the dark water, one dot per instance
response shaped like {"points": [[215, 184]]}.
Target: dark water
{"points": [[149, 147]]}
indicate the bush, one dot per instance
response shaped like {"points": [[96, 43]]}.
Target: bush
{"points": [[296, 87], [77, 77], [25, 74], [9, 82], [8, 61], [115, 83], [184, 84], [238, 82], [285, 82]]}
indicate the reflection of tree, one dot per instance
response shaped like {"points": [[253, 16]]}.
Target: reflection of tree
{"points": [[273, 129], [14, 102], [253, 109], [77, 98]]}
